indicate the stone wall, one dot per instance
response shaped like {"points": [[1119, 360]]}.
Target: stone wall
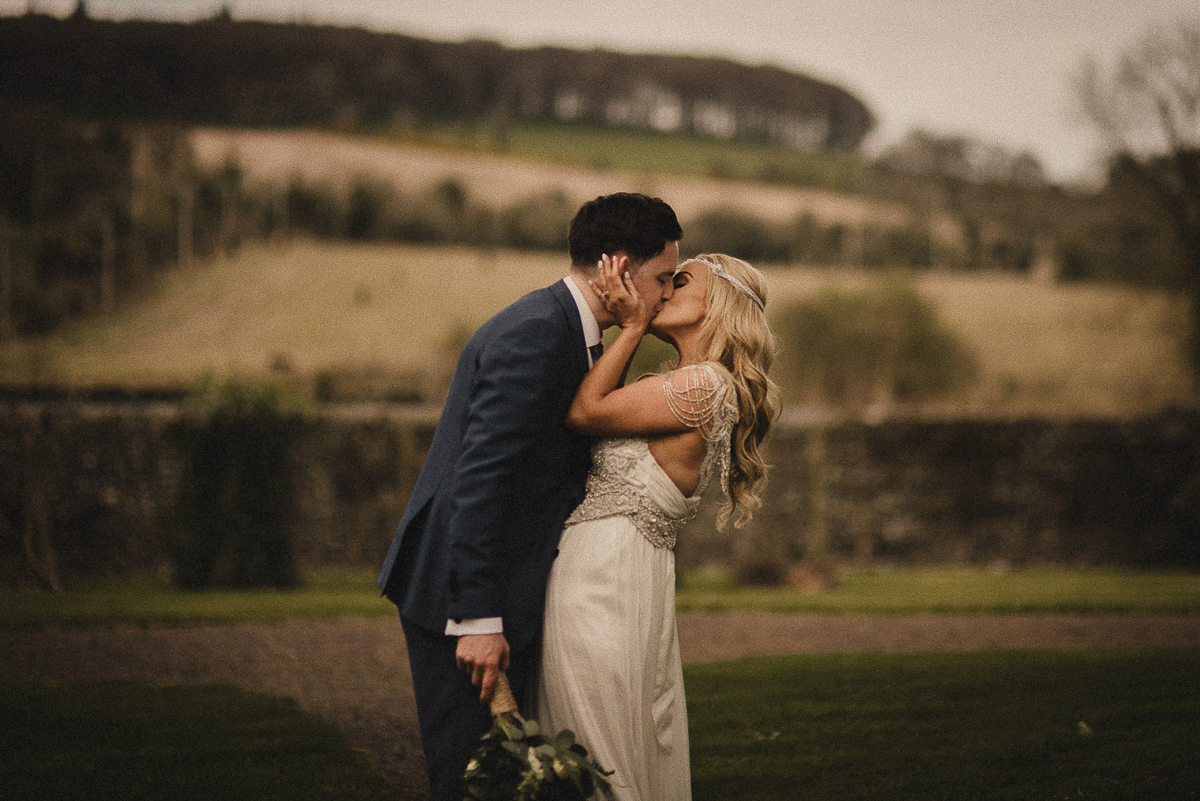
{"points": [[980, 492], [98, 480]]}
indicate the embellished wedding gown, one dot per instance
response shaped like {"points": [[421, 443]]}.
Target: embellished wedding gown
{"points": [[610, 668]]}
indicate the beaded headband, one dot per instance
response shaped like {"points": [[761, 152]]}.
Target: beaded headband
{"points": [[738, 284]]}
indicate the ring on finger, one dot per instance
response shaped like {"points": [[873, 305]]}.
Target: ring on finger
{"points": [[605, 294]]}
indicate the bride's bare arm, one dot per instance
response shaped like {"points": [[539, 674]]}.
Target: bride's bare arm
{"points": [[602, 406]]}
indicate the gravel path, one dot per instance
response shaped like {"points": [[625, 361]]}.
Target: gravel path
{"points": [[355, 673]]}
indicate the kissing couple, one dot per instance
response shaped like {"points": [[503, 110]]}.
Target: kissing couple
{"points": [[538, 539]]}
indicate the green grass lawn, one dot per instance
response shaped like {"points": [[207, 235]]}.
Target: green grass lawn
{"points": [[956, 590], [131, 742], [987, 726], [148, 600], [1000, 726], [333, 594]]}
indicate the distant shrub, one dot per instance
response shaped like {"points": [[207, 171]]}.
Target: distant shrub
{"points": [[370, 382], [869, 347], [727, 230], [900, 246], [417, 223], [809, 241], [367, 210], [313, 209], [760, 568], [1014, 255], [237, 486], [539, 223], [441, 214]]}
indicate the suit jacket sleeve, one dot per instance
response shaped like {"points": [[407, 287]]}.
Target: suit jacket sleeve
{"points": [[517, 394]]}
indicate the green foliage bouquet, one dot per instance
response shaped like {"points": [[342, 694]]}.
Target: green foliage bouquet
{"points": [[516, 762]]}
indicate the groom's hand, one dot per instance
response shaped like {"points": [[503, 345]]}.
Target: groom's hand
{"points": [[481, 656]]}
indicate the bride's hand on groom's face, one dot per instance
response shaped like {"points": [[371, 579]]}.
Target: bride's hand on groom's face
{"points": [[616, 289]]}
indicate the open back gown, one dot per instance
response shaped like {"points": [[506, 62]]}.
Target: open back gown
{"points": [[610, 667]]}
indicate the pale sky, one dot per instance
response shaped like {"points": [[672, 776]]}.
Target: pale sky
{"points": [[995, 69]]}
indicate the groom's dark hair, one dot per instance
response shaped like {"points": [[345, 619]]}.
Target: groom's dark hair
{"points": [[640, 226]]}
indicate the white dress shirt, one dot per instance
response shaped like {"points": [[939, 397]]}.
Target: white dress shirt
{"points": [[591, 336]]}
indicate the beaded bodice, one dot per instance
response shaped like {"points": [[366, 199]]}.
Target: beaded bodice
{"points": [[625, 479]]}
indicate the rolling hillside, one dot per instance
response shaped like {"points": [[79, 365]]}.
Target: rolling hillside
{"points": [[276, 156], [397, 315]]}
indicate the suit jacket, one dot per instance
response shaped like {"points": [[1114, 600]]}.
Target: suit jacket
{"points": [[482, 525]]}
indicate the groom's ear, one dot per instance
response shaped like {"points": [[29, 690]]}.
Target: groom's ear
{"points": [[633, 265]]}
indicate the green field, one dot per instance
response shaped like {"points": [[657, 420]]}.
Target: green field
{"points": [[956, 591], [652, 153], [125, 741], [1007, 725], [330, 594], [403, 311], [1003, 725]]}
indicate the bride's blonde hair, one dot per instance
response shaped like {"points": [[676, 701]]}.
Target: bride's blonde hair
{"points": [[735, 334]]}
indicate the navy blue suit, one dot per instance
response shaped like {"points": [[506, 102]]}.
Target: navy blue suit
{"points": [[483, 522]]}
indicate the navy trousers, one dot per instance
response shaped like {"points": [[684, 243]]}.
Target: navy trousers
{"points": [[450, 716]]}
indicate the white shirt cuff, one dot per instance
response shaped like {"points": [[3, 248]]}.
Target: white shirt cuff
{"points": [[475, 625]]}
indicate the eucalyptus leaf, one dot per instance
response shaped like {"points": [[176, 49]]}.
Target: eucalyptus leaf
{"points": [[515, 761]]}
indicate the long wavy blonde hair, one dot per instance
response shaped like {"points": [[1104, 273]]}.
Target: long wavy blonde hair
{"points": [[735, 334]]}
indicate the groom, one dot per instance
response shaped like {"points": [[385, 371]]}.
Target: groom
{"points": [[468, 565]]}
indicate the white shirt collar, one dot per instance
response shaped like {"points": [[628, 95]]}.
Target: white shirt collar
{"points": [[591, 328]]}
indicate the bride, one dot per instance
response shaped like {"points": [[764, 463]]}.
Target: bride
{"points": [[610, 667]]}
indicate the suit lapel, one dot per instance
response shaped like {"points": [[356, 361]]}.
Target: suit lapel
{"points": [[567, 301]]}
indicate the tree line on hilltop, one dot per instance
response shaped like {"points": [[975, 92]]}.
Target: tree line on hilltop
{"points": [[270, 74]]}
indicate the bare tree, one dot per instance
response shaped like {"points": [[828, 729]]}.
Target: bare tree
{"points": [[1146, 105]]}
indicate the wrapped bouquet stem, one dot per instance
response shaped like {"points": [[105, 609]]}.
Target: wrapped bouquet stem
{"points": [[515, 761]]}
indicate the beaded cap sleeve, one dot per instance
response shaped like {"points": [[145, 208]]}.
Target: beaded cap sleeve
{"points": [[699, 397], [625, 478]]}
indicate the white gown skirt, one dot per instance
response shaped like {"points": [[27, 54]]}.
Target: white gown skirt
{"points": [[610, 668]]}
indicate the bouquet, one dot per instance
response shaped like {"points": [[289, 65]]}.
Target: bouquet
{"points": [[516, 762]]}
